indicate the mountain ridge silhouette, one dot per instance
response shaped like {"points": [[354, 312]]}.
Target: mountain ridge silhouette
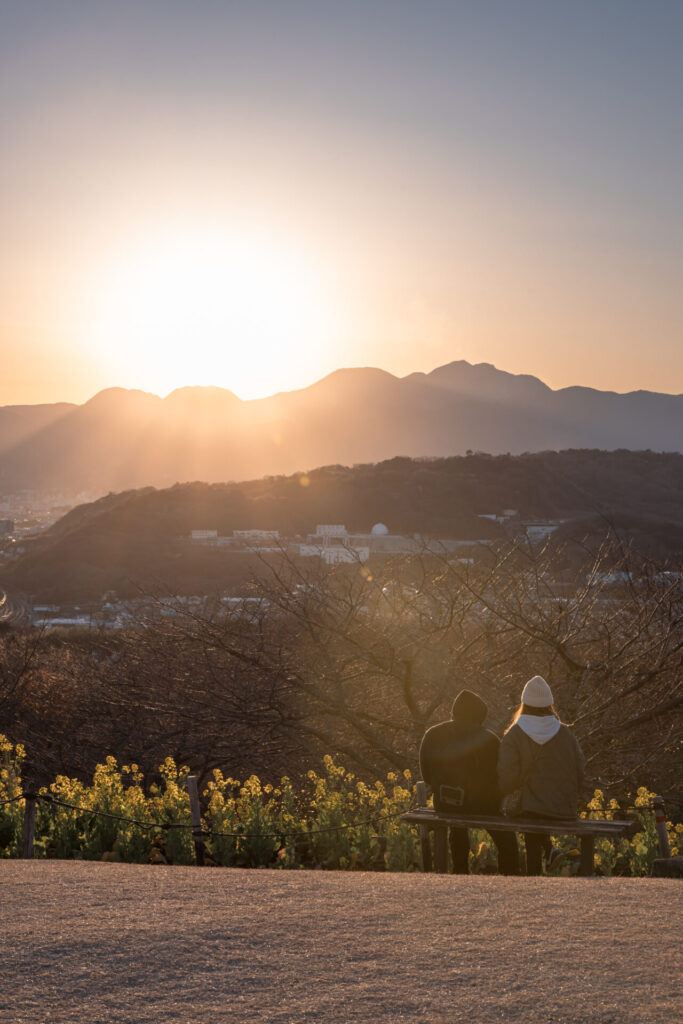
{"points": [[123, 438]]}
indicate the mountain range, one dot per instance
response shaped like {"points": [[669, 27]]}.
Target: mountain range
{"points": [[126, 438]]}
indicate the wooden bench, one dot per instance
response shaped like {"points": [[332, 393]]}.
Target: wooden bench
{"points": [[585, 829]]}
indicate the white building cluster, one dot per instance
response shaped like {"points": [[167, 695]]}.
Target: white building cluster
{"points": [[331, 542], [334, 544]]}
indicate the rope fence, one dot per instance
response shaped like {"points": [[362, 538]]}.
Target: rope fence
{"points": [[31, 798], [46, 798], [204, 833], [12, 800]]}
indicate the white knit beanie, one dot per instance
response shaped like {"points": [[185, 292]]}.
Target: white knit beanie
{"points": [[537, 693]]}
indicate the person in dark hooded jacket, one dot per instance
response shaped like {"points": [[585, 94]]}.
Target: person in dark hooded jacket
{"points": [[458, 760]]}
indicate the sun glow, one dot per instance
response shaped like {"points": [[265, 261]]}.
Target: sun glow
{"points": [[248, 314]]}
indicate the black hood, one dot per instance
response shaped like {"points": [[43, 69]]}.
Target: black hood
{"points": [[469, 709]]}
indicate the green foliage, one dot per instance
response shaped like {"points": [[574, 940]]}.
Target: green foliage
{"points": [[254, 811], [268, 826], [337, 798], [11, 815], [628, 855]]}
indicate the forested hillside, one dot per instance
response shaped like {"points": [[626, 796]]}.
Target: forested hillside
{"points": [[132, 538]]}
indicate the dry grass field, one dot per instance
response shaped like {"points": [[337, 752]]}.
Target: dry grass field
{"points": [[90, 943]]}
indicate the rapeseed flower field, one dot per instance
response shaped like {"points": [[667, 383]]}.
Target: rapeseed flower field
{"points": [[255, 824]]}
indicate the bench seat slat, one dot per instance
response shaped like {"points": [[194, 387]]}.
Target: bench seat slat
{"points": [[577, 827]]}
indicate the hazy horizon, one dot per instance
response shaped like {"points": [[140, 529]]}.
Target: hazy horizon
{"points": [[340, 369], [253, 195]]}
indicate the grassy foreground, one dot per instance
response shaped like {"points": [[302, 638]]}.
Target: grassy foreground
{"points": [[91, 943]]}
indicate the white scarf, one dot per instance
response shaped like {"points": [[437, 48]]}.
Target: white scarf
{"points": [[539, 728]]}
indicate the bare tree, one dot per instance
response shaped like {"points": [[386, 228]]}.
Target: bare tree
{"points": [[357, 661]]}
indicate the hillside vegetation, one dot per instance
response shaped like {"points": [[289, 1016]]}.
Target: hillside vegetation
{"points": [[138, 538]]}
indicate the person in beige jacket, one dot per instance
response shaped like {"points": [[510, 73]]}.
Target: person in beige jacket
{"points": [[541, 758]]}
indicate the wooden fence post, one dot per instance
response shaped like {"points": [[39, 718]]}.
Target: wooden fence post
{"points": [[423, 831], [660, 825], [29, 822], [196, 813]]}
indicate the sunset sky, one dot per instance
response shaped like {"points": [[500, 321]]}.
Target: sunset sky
{"points": [[251, 194]]}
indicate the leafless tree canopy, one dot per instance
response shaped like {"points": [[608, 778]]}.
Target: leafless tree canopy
{"points": [[358, 661]]}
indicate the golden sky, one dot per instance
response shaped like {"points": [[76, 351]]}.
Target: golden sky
{"points": [[253, 194]]}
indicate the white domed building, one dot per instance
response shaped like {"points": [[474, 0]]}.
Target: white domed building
{"points": [[381, 540], [334, 544]]}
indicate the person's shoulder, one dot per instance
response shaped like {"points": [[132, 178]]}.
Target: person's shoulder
{"points": [[566, 738], [568, 732], [443, 726], [435, 732], [512, 734]]}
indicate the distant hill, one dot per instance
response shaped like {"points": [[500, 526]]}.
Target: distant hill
{"points": [[134, 538], [122, 439], [21, 423]]}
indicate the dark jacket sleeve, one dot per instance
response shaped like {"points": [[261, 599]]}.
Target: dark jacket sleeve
{"points": [[488, 788], [427, 757], [509, 765]]}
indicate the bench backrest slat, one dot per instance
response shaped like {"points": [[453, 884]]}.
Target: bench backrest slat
{"points": [[578, 827]]}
